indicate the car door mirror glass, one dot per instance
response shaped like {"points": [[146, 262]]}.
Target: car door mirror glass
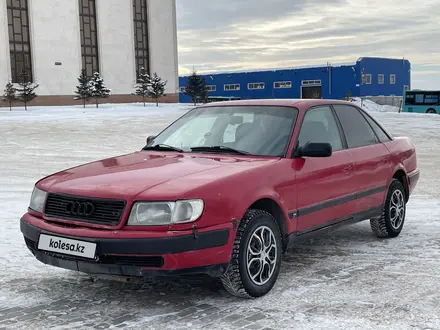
{"points": [[315, 149]]}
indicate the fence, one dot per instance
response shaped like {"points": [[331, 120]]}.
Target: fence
{"points": [[395, 101]]}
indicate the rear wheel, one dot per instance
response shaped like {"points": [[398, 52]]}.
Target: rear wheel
{"points": [[391, 222], [256, 256], [431, 111]]}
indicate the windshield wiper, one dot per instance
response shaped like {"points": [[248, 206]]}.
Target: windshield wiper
{"points": [[162, 147], [220, 149]]}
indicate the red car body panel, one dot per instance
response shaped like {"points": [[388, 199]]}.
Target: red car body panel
{"points": [[373, 169], [148, 176], [311, 193], [318, 181]]}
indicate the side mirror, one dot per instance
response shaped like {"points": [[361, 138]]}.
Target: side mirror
{"points": [[150, 138], [315, 149]]}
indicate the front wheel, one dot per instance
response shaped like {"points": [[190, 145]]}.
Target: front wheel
{"points": [[256, 256], [431, 111], [390, 224]]}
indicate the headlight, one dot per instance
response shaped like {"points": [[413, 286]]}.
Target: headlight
{"points": [[165, 213], [37, 200]]}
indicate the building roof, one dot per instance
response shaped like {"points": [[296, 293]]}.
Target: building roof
{"points": [[269, 69], [344, 64], [382, 58]]}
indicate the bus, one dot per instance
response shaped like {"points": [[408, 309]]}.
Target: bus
{"points": [[421, 101]]}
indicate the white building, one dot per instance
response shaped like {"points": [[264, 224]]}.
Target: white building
{"points": [[54, 39]]}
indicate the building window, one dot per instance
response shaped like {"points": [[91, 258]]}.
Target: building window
{"points": [[282, 84], [252, 86], [89, 36], [380, 79], [368, 79], [232, 87], [19, 39], [141, 42], [311, 82], [392, 79], [211, 88]]}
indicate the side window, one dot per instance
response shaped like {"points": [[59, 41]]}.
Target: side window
{"points": [[409, 99], [383, 137], [319, 125], [356, 128]]}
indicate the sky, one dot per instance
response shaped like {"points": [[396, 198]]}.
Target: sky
{"points": [[235, 35]]}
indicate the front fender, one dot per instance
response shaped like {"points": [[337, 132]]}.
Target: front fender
{"points": [[256, 196]]}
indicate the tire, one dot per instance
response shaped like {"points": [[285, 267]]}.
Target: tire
{"points": [[390, 224], [431, 111], [237, 279]]}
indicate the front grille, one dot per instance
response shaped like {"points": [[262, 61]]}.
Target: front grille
{"points": [[85, 209], [151, 261], [64, 225], [140, 261]]}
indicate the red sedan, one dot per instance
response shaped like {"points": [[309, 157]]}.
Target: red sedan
{"points": [[224, 191]]}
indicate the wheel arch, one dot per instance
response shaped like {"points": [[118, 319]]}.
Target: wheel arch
{"points": [[271, 206], [401, 175]]}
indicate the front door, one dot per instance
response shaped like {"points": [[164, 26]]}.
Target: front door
{"points": [[324, 185]]}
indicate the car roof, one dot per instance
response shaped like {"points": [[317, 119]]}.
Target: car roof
{"points": [[301, 104]]}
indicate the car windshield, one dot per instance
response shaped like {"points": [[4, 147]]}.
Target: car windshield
{"points": [[254, 130]]}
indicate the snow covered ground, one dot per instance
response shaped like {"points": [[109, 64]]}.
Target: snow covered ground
{"points": [[348, 280]]}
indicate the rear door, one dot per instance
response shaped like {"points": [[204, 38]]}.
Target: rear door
{"points": [[372, 162], [324, 185]]}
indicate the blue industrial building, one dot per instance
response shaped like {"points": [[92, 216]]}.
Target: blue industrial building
{"points": [[369, 76]]}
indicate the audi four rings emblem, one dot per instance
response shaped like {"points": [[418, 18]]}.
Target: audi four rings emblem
{"points": [[84, 209]]}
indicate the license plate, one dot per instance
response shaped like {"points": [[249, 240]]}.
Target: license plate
{"points": [[67, 246]]}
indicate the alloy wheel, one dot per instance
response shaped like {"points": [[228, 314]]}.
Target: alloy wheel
{"points": [[261, 255], [397, 209]]}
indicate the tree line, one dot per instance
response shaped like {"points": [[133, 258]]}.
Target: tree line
{"points": [[88, 88], [146, 87]]}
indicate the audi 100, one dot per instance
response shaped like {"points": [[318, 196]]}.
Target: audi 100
{"points": [[224, 191]]}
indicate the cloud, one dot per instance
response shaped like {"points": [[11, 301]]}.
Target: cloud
{"points": [[232, 35]]}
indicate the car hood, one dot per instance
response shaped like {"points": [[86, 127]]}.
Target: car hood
{"points": [[127, 176]]}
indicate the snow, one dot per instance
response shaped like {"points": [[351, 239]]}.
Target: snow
{"points": [[105, 111], [373, 106], [347, 280]]}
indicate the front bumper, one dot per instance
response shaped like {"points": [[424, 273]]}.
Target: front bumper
{"points": [[206, 252]]}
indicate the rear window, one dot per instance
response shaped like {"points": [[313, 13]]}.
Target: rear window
{"points": [[381, 134]]}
